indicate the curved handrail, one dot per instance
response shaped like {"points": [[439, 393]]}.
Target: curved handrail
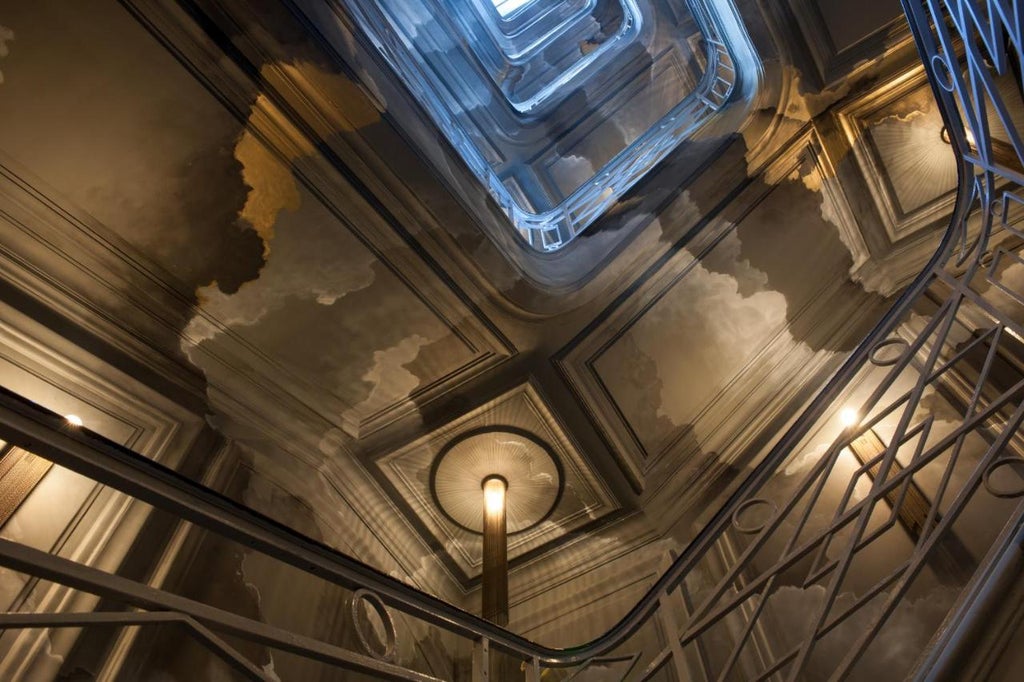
{"points": [[784, 447], [39, 430]]}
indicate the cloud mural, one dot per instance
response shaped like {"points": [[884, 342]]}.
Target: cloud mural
{"points": [[389, 376], [6, 35], [715, 318]]}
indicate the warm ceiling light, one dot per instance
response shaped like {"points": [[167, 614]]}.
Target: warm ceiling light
{"points": [[73, 419], [968, 135], [494, 495], [848, 416]]}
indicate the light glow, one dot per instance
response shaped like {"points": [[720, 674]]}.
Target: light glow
{"points": [[848, 417], [507, 7], [494, 496], [73, 419]]}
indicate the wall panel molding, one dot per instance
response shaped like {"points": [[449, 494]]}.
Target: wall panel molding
{"points": [[766, 373]]}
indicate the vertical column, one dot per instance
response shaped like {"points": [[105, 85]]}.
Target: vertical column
{"points": [[494, 590]]}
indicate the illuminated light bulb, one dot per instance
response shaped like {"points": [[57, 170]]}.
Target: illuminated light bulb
{"points": [[73, 419], [494, 495], [848, 416]]}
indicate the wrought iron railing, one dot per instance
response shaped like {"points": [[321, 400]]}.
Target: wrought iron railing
{"points": [[867, 557]]}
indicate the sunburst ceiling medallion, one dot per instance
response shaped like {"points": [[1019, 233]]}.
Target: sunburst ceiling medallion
{"points": [[530, 467]]}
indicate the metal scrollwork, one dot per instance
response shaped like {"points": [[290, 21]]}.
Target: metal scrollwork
{"points": [[756, 527], [1015, 464], [879, 355], [373, 602], [943, 74]]}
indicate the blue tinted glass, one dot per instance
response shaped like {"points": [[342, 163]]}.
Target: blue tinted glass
{"points": [[558, 106], [507, 7]]}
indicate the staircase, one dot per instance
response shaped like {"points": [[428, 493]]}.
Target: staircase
{"points": [[888, 554]]}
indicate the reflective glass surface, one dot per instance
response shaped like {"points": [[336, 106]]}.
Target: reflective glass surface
{"points": [[558, 106], [507, 7]]}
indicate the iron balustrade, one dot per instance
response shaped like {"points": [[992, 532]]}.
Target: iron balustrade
{"points": [[818, 552]]}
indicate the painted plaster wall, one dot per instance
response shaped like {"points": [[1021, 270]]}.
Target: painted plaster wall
{"points": [[321, 324], [68, 514], [236, 251]]}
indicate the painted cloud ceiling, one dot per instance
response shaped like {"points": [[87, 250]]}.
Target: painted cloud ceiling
{"points": [[251, 226]]}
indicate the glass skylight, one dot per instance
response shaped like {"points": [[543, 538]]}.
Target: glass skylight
{"points": [[558, 106], [507, 7]]}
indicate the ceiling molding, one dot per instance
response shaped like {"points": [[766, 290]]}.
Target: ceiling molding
{"points": [[62, 258], [578, 361], [897, 105], [898, 162], [834, 61], [44, 368], [586, 497]]}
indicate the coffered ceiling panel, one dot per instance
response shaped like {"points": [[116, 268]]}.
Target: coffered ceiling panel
{"points": [[844, 35], [722, 332], [522, 422], [896, 136]]}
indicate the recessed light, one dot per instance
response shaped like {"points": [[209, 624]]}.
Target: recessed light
{"points": [[73, 419]]}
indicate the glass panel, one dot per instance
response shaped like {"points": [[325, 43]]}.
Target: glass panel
{"points": [[558, 107], [507, 7]]}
